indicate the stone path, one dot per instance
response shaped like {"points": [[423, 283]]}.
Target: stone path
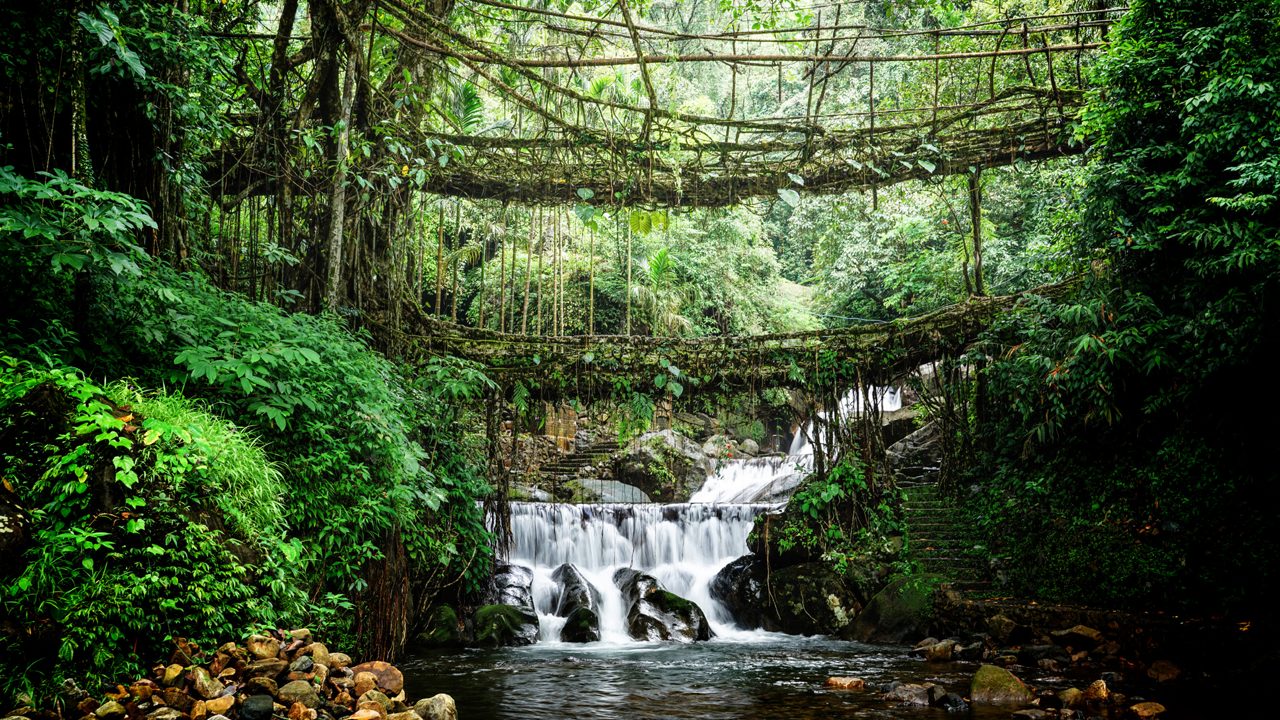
{"points": [[938, 539]]}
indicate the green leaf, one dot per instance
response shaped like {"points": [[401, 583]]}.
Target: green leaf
{"points": [[798, 180], [586, 193], [928, 166], [789, 196], [641, 222]]}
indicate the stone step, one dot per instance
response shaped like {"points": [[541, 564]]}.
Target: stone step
{"points": [[919, 521]]}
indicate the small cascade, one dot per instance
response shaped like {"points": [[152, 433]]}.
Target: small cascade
{"points": [[755, 480], [772, 479], [683, 546]]}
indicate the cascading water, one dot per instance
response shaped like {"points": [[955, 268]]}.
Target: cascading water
{"points": [[772, 479], [683, 546]]}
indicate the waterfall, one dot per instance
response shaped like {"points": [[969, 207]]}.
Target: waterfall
{"points": [[682, 545], [772, 479]]}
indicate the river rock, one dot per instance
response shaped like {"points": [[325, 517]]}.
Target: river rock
{"points": [[900, 611], [364, 682], [739, 587], [1146, 710], [204, 685], [513, 585], [812, 598], [110, 711], [172, 674], [220, 706], [1071, 697], [178, 698], [266, 668], [952, 703], [909, 694], [165, 713], [579, 602], [993, 685], [375, 696], [654, 613], [437, 707], [389, 677], [304, 664], [504, 625], [666, 465], [257, 707], [749, 447], [1004, 630], [846, 683], [338, 661], [263, 647], [575, 591], [1097, 692], [1080, 637], [582, 626], [1034, 655], [260, 686], [442, 629], [940, 652], [298, 691]]}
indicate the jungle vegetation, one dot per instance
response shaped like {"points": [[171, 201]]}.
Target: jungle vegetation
{"points": [[224, 221]]}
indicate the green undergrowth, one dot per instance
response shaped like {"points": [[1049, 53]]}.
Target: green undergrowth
{"points": [[1128, 459], [841, 520], [281, 461], [150, 518]]}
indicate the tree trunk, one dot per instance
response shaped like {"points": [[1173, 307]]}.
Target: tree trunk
{"points": [[975, 215], [338, 192]]}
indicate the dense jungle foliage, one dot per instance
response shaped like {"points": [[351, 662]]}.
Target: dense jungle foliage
{"points": [[1119, 463], [223, 224]]}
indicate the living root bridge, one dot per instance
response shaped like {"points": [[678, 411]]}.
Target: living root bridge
{"points": [[587, 365]]}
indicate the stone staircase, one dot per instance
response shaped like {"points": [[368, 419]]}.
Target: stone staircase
{"points": [[939, 540], [571, 466]]}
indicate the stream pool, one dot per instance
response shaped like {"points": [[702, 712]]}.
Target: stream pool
{"points": [[750, 675]]}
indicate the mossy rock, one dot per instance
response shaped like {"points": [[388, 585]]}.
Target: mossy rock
{"points": [[442, 629], [993, 685], [504, 626], [582, 626], [899, 613], [809, 599]]}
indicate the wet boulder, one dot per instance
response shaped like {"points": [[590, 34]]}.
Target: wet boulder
{"points": [[654, 613], [810, 599], [993, 685], [513, 585], [666, 465], [739, 587], [902, 610], [582, 626], [579, 602], [807, 598], [505, 625], [512, 620]]}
